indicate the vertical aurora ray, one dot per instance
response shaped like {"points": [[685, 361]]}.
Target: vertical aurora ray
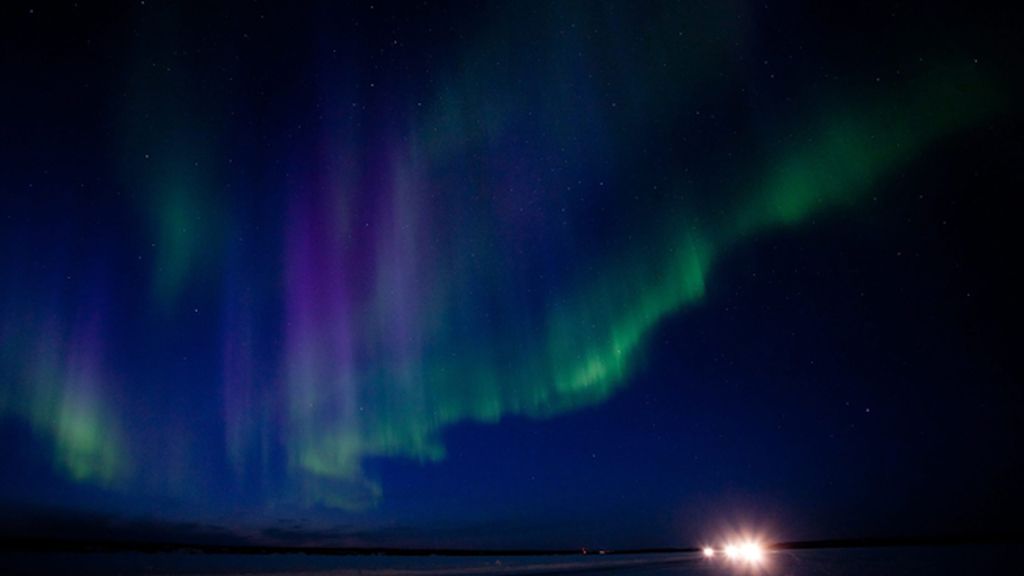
{"points": [[245, 386], [400, 302], [321, 391], [55, 383], [170, 152], [88, 442]]}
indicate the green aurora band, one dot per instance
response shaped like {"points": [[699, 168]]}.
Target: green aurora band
{"points": [[593, 337], [380, 364]]}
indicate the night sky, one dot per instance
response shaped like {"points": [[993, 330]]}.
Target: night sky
{"points": [[521, 274]]}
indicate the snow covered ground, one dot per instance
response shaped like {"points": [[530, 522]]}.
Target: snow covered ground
{"points": [[975, 559]]}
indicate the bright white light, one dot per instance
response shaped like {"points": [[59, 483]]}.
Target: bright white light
{"points": [[748, 551], [751, 552], [709, 552]]}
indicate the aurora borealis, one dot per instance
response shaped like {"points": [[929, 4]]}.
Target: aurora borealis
{"points": [[289, 263]]}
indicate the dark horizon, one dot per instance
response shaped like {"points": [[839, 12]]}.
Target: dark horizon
{"points": [[499, 275], [156, 541]]}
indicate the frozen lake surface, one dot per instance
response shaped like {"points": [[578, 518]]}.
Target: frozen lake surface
{"points": [[892, 561]]}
